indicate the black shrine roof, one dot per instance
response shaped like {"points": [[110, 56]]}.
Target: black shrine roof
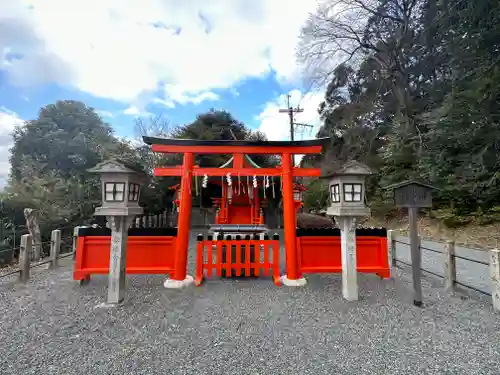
{"points": [[197, 142]]}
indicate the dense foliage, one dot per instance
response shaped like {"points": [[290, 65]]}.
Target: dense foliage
{"points": [[414, 92]]}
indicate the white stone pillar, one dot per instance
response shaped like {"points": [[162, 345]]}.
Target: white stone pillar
{"points": [[495, 277], [75, 240], [347, 227], [118, 254], [391, 235]]}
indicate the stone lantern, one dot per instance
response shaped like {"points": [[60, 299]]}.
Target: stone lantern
{"points": [[347, 204], [121, 187]]}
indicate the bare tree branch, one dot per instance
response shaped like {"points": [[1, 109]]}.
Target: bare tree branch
{"points": [[157, 126]]}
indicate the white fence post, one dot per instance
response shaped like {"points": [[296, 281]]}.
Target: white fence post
{"points": [[25, 252], [495, 277], [450, 269], [75, 240], [391, 246], [55, 248]]}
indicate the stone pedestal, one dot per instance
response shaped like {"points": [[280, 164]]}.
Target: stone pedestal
{"points": [[118, 253], [347, 227]]}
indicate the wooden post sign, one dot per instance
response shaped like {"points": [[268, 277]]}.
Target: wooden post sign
{"points": [[413, 195]]}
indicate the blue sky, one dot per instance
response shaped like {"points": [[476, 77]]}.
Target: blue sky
{"points": [[131, 59]]}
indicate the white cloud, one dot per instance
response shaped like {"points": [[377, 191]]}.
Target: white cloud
{"points": [[135, 111], [132, 111], [276, 125], [120, 49], [184, 99], [105, 113], [8, 120], [166, 103]]}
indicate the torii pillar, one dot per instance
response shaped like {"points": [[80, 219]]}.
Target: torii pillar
{"points": [[180, 278], [293, 276]]}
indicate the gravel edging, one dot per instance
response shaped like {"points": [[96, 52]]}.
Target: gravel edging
{"points": [[248, 326]]}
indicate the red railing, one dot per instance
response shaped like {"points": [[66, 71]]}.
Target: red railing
{"points": [[318, 254], [238, 257], [145, 255]]}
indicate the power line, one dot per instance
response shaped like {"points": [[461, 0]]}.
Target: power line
{"points": [[291, 112]]}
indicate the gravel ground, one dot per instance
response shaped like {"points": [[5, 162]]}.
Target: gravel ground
{"points": [[249, 326]]}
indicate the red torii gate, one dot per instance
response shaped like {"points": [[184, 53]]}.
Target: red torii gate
{"points": [[286, 171]]}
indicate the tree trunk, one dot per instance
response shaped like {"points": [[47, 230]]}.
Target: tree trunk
{"points": [[34, 230]]}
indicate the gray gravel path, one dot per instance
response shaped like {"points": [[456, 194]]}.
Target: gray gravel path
{"points": [[53, 326]]}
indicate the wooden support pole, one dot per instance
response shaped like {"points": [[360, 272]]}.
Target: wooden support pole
{"points": [[55, 248], [450, 270], [416, 257], [25, 258], [495, 277]]}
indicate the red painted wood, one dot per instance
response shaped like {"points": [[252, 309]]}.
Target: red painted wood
{"points": [[177, 171], [236, 265], [145, 254], [261, 150], [323, 254]]}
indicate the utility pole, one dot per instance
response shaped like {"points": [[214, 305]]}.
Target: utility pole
{"points": [[291, 112]]}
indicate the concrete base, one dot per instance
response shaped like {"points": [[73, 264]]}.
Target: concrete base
{"points": [[107, 305], [298, 282], [350, 298], [178, 284]]}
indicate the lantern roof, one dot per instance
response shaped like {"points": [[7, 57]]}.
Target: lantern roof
{"points": [[117, 166], [352, 167]]}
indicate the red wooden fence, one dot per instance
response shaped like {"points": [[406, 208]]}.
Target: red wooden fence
{"points": [[145, 255], [318, 254], [238, 257]]}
